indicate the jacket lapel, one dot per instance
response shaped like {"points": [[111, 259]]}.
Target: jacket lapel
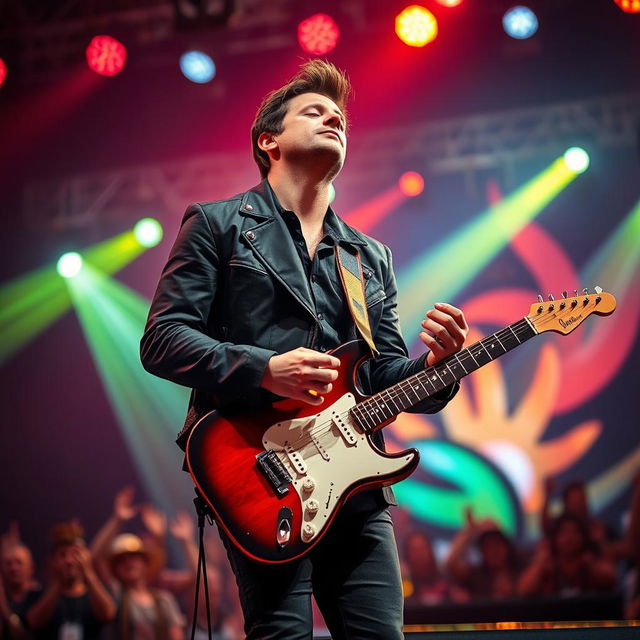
{"points": [[272, 243]]}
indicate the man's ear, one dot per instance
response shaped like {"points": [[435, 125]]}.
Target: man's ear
{"points": [[267, 142]]}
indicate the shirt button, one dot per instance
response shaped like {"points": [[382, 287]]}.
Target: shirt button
{"points": [[320, 316], [313, 277], [248, 207], [251, 235]]}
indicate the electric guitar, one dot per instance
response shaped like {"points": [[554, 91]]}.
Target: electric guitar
{"points": [[276, 478]]}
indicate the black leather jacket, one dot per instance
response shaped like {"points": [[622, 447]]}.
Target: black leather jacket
{"points": [[234, 293]]}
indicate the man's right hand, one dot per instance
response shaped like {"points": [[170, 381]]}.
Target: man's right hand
{"points": [[295, 373]]}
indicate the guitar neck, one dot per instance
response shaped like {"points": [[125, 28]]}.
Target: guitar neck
{"points": [[381, 408]]}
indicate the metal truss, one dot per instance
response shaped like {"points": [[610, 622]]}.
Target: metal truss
{"points": [[496, 141]]}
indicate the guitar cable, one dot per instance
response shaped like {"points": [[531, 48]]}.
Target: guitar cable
{"points": [[202, 510]]}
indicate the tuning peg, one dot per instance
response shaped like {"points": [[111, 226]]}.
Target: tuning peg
{"points": [[597, 289], [575, 293], [564, 295], [585, 291], [540, 298], [551, 297]]}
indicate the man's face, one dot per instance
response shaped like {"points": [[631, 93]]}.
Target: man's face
{"points": [[314, 125], [17, 566], [64, 562]]}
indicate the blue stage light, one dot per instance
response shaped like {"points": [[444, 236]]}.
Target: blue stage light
{"points": [[520, 22], [197, 66]]}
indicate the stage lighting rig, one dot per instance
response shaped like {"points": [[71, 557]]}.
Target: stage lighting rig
{"points": [[202, 14]]}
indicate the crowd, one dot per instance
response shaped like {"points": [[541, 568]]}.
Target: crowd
{"points": [[119, 587], [576, 556]]}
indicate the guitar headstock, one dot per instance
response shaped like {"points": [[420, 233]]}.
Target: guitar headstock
{"points": [[567, 313]]}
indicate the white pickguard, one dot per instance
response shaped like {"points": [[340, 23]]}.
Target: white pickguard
{"points": [[325, 454]]}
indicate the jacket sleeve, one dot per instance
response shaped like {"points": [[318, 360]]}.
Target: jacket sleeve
{"points": [[176, 344], [393, 363]]}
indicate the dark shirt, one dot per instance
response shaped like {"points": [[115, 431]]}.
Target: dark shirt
{"points": [[20, 608], [71, 610], [335, 323]]}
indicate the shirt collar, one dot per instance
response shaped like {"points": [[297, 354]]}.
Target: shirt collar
{"points": [[334, 226]]}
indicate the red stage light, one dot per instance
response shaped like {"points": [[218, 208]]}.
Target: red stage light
{"points": [[450, 3], [106, 55], [416, 26], [629, 6], [411, 183], [3, 71], [318, 34]]}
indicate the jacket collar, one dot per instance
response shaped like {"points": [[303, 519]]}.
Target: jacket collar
{"points": [[261, 202]]}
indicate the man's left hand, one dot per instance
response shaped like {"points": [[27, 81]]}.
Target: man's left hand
{"points": [[445, 330]]}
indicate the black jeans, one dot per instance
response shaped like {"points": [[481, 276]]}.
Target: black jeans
{"points": [[353, 572]]}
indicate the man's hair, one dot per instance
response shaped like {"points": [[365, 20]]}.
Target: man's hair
{"points": [[66, 533], [314, 76]]}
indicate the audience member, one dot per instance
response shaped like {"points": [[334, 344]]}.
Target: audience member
{"points": [[128, 566], [564, 563], [496, 573], [75, 604], [423, 581]]}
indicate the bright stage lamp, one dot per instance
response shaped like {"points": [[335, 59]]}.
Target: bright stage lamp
{"points": [[106, 55], [69, 265], [148, 232], [520, 22], [576, 159], [318, 34], [3, 71], [629, 6], [416, 26], [411, 183], [197, 67]]}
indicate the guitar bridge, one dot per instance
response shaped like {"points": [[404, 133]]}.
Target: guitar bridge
{"points": [[274, 471]]}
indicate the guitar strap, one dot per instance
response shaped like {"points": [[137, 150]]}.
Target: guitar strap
{"points": [[350, 269]]}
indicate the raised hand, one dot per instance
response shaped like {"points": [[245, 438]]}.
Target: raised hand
{"points": [[296, 373], [445, 330], [155, 521], [123, 507], [182, 526]]}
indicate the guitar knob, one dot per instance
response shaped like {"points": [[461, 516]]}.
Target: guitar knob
{"points": [[312, 507], [308, 531], [308, 485]]}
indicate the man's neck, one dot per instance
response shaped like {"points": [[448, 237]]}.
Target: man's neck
{"points": [[307, 197]]}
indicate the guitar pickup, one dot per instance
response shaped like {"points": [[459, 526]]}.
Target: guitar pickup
{"points": [[274, 471]]}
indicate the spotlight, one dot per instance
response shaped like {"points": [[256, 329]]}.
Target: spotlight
{"points": [[3, 71], [629, 6], [411, 183], [148, 232], [520, 22], [106, 55], [69, 265], [318, 34], [416, 26], [197, 67], [449, 3], [576, 159]]}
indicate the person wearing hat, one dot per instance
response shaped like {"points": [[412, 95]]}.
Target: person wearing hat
{"points": [[75, 604], [128, 565]]}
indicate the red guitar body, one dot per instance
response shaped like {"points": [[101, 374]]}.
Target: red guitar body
{"points": [[326, 455]]}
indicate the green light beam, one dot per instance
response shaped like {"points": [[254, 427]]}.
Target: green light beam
{"points": [[149, 410], [31, 303], [615, 265], [448, 268]]}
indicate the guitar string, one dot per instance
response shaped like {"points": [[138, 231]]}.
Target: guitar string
{"points": [[320, 429], [519, 328]]}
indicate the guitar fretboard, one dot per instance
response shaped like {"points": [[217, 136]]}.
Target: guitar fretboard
{"points": [[381, 407]]}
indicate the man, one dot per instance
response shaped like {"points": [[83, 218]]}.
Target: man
{"points": [[75, 604], [249, 302], [18, 590]]}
